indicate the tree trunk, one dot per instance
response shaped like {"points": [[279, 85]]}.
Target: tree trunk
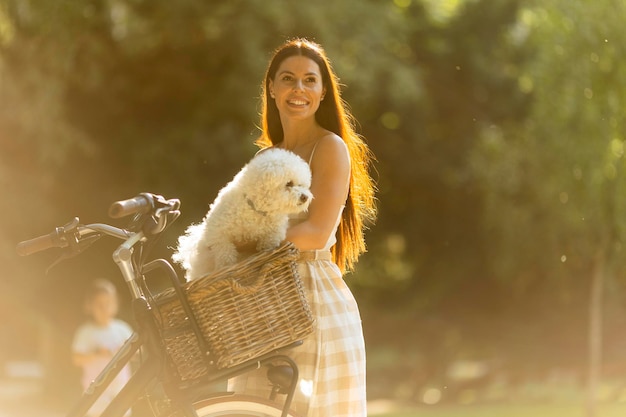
{"points": [[595, 331]]}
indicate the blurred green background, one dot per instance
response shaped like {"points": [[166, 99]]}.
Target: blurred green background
{"points": [[495, 271]]}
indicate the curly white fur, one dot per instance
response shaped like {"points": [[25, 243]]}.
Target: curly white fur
{"points": [[253, 207]]}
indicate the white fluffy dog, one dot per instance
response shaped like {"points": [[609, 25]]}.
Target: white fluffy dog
{"points": [[252, 209]]}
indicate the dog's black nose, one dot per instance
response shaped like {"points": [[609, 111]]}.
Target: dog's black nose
{"points": [[303, 198]]}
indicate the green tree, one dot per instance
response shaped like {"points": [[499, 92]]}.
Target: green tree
{"points": [[431, 203], [553, 187], [102, 99]]}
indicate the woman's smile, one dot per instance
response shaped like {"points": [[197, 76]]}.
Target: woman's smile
{"points": [[297, 102]]}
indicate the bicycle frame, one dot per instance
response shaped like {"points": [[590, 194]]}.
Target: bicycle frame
{"points": [[151, 217]]}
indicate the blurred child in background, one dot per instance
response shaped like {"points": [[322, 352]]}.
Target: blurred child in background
{"points": [[97, 340]]}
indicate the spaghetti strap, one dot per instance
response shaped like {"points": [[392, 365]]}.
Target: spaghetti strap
{"points": [[313, 152]]}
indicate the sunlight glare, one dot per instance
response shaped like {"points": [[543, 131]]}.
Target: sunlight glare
{"points": [[431, 396], [306, 387], [443, 11], [7, 31], [403, 4], [617, 148], [390, 120]]}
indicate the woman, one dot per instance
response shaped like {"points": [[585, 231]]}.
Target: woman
{"points": [[303, 112]]}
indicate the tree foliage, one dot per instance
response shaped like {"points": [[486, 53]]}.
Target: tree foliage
{"points": [[498, 126], [555, 179]]}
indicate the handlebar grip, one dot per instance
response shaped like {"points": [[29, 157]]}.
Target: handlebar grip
{"points": [[39, 244], [123, 208]]}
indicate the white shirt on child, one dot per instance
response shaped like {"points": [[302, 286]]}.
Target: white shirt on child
{"points": [[90, 338]]}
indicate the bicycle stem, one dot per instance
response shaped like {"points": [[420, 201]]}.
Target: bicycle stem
{"points": [[123, 258]]}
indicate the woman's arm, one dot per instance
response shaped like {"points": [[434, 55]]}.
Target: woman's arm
{"points": [[331, 175]]}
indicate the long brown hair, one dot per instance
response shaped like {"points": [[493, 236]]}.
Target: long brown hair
{"points": [[334, 115]]}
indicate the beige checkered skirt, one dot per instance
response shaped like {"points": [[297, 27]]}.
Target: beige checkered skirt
{"points": [[331, 360]]}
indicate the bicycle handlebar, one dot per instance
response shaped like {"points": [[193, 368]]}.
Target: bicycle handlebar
{"points": [[38, 244], [157, 210], [143, 203]]}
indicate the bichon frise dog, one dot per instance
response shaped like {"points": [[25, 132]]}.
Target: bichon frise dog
{"points": [[252, 209]]}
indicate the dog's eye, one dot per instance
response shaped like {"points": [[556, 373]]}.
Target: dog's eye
{"points": [[289, 184]]}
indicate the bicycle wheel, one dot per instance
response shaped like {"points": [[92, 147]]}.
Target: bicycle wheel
{"points": [[238, 405]]}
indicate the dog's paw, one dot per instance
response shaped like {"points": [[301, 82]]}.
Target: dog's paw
{"points": [[269, 243], [203, 263], [225, 255]]}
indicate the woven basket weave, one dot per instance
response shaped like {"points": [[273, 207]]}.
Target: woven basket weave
{"points": [[243, 311]]}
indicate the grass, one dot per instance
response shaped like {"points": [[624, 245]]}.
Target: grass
{"points": [[504, 410]]}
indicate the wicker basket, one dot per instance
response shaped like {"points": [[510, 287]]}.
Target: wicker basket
{"points": [[243, 311]]}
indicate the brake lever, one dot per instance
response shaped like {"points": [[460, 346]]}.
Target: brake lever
{"points": [[162, 216], [75, 248], [70, 226]]}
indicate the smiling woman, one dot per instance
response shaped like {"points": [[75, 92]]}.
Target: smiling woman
{"points": [[304, 113], [298, 88]]}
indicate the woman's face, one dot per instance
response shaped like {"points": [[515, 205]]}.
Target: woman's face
{"points": [[297, 87]]}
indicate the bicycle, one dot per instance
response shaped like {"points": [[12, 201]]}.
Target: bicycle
{"points": [[155, 378]]}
